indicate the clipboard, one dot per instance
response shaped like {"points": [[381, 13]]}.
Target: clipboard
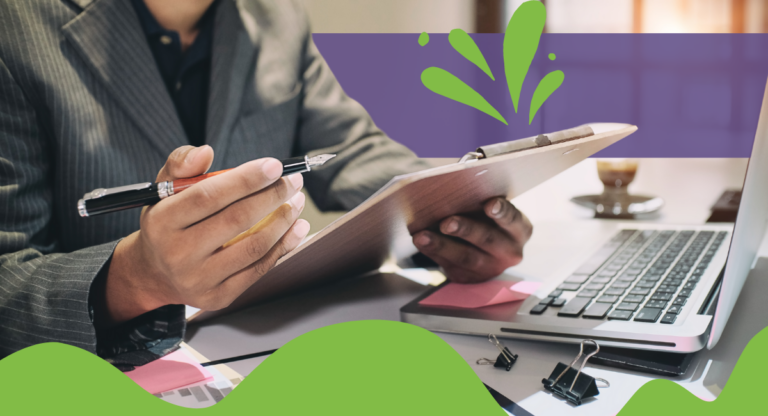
{"points": [[381, 227]]}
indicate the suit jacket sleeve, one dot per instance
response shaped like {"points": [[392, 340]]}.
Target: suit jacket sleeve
{"points": [[332, 122], [44, 295]]}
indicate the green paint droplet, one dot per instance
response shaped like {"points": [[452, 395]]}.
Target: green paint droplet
{"points": [[444, 83], [467, 47], [521, 40], [549, 84], [423, 38], [552, 56]]}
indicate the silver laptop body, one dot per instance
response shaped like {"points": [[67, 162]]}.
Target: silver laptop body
{"points": [[644, 286]]}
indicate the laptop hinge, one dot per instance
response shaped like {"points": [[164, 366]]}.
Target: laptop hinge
{"points": [[709, 306]]}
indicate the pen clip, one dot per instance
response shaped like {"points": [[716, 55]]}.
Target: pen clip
{"points": [[102, 192]]}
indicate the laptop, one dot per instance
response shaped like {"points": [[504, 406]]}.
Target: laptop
{"points": [[645, 286]]}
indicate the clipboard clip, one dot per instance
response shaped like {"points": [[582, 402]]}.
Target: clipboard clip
{"points": [[471, 157], [570, 384], [527, 143], [505, 359]]}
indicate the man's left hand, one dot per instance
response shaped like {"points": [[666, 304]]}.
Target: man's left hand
{"points": [[472, 250]]}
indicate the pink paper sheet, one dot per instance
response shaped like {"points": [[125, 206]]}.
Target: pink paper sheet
{"points": [[478, 295], [174, 370]]}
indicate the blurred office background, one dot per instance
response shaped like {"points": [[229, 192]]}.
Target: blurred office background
{"points": [[564, 16]]}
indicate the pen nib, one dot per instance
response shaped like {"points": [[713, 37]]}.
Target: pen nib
{"points": [[319, 160]]}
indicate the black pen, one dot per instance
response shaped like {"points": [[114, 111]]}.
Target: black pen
{"points": [[102, 201]]}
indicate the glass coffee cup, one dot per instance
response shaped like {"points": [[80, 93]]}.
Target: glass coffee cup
{"points": [[616, 175], [616, 201]]}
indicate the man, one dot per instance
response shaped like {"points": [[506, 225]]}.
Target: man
{"points": [[98, 93]]}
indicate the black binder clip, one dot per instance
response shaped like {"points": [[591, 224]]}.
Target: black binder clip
{"points": [[573, 385], [505, 358]]}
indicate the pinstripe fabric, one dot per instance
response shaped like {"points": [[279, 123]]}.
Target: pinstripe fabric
{"points": [[82, 106]]}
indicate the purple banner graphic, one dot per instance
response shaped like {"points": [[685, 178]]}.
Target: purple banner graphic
{"points": [[691, 95]]}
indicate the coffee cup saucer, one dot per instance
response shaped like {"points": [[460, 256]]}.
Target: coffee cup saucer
{"points": [[626, 206]]}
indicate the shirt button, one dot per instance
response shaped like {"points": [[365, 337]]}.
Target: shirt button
{"points": [[165, 40], [178, 86]]}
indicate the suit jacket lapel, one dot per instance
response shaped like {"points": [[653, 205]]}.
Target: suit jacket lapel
{"points": [[234, 53], [109, 37]]}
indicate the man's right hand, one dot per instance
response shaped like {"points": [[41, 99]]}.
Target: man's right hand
{"points": [[177, 256]]}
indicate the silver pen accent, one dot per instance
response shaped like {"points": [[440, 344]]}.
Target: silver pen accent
{"points": [[318, 160]]}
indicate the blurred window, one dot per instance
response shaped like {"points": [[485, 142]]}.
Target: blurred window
{"points": [[651, 16]]}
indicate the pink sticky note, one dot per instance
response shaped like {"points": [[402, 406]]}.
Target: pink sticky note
{"points": [[478, 295], [174, 370]]}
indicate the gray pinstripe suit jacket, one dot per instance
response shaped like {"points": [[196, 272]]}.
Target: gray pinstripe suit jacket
{"points": [[83, 106]]}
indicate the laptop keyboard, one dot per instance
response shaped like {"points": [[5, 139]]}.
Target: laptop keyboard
{"points": [[645, 276]]}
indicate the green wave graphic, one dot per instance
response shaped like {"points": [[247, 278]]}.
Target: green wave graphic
{"points": [[741, 395], [354, 368]]}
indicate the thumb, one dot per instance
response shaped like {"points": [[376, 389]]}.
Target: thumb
{"points": [[186, 162]]}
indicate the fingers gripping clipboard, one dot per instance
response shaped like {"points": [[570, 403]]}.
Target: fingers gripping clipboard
{"points": [[381, 227]]}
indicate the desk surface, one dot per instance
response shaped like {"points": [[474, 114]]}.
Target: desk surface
{"points": [[697, 184], [689, 188]]}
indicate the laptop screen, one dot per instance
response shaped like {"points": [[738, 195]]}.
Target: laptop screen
{"points": [[750, 227]]}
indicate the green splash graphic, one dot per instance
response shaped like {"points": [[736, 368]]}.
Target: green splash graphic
{"points": [[423, 38], [741, 395], [551, 82], [355, 368], [444, 83], [521, 41], [467, 47]]}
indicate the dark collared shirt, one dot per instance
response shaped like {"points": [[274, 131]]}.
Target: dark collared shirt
{"points": [[186, 74]]}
